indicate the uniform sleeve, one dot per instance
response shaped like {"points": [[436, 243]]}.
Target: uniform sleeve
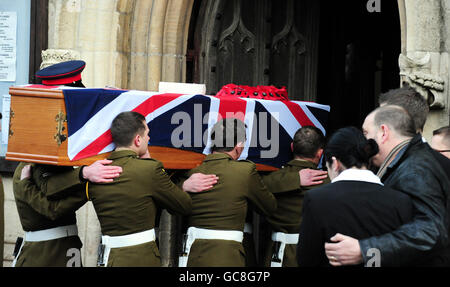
{"points": [[310, 246], [180, 177], [259, 195], [282, 181], [168, 195], [427, 231], [56, 185], [27, 191]]}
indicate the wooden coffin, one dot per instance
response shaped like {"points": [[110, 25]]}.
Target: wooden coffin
{"points": [[38, 133]]}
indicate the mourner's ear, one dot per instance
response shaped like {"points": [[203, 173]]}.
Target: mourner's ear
{"points": [[335, 165], [385, 133], [292, 146]]}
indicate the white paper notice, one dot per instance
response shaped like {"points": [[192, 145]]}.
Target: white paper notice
{"points": [[5, 119], [8, 28]]}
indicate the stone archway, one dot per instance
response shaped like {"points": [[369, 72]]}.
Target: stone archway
{"points": [[131, 44], [158, 40]]}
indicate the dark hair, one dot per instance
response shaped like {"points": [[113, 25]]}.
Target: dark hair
{"points": [[445, 133], [350, 147], [226, 134], [397, 118], [409, 99], [307, 141], [125, 127]]}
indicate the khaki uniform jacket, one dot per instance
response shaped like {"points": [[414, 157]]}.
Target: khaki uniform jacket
{"points": [[224, 207], [37, 212], [284, 184], [129, 205]]}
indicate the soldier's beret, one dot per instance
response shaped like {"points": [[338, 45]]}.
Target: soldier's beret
{"points": [[61, 73]]}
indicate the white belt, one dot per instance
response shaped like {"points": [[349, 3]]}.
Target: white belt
{"points": [[194, 233], [126, 241], [283, 238], [248, 228], [47, 234]]}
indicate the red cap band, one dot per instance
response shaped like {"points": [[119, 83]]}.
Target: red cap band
{"points": [[63, 80]]}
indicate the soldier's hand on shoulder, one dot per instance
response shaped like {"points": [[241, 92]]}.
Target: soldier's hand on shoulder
{"points": [[26, 172], [310, 177], [199, 182], [100, 172]]}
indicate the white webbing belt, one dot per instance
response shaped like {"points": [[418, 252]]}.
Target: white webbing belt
{"points": [[47, 234], [126, 241], [283, 238], [194, 233]]}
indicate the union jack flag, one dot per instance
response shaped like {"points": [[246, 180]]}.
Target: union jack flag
{"points": [[90, 113]]}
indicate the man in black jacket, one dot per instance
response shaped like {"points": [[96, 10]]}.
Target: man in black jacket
{"points": [[406, 164], [417, 107]]}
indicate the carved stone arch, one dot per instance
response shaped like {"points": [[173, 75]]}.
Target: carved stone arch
{"points": [[146, 44], [158, 42], [131, 44], [175, 40]]}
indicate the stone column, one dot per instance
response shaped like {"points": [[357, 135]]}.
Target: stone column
{"points": [[425, 55], [94, 29]]}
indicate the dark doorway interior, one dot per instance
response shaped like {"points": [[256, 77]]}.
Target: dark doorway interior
{"points": [[358, 58]]}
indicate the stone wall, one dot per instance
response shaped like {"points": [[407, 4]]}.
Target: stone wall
{"points": [[425, 55], [130, 44]]}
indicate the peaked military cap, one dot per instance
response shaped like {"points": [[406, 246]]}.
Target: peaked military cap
{"points": [[61, 73]]}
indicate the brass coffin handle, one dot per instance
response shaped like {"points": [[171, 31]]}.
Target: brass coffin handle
{"points": [[11, 116]]}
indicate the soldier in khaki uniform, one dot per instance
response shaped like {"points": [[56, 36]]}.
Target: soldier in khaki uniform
{"points": [[287, 180], [215, 233], [126, 208], [307, 147], [47, 198]]}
